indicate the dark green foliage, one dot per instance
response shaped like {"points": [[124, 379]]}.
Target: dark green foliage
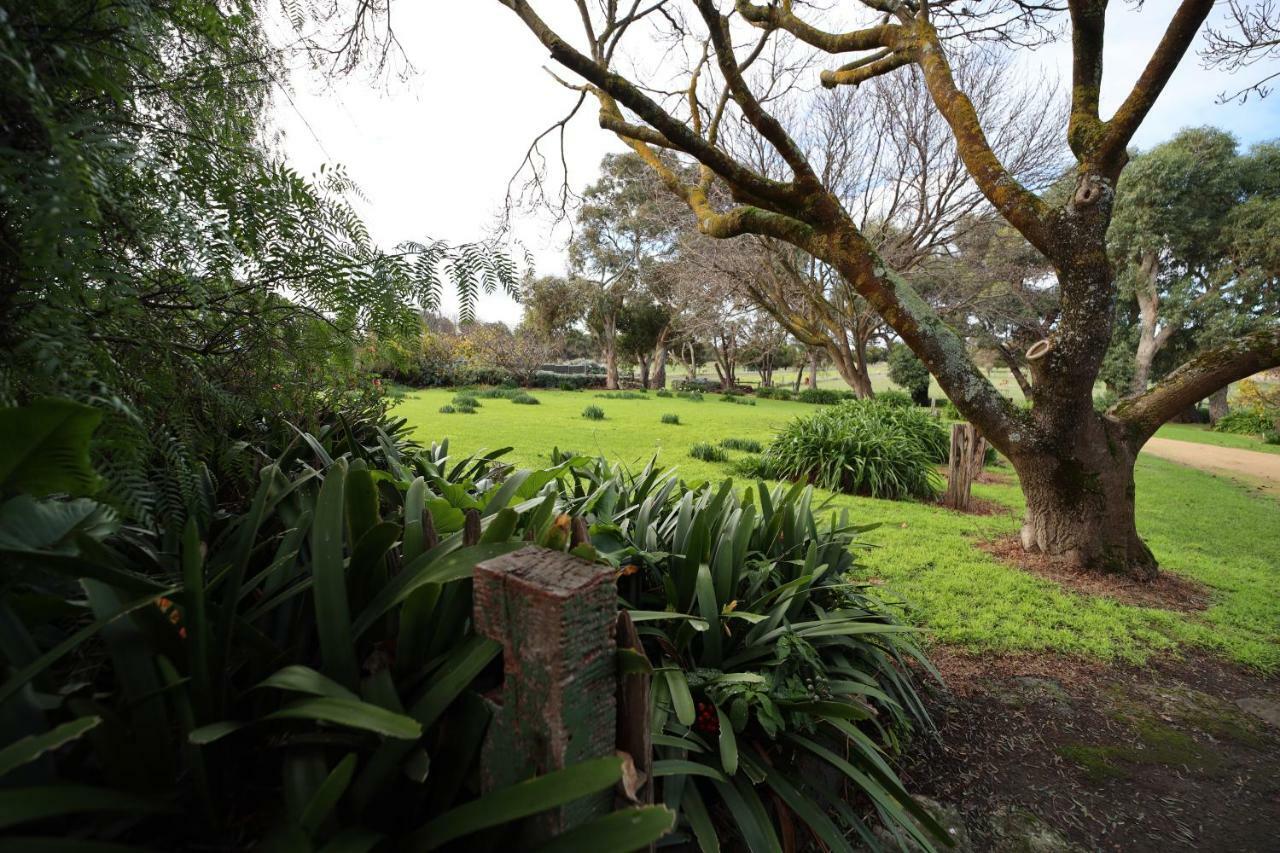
{"points": [[819, 396], [747, 445], [861, 447], [286, 671], [774, 392], [1271, 436], [1105, 400], [524, 399], [147, 234], [707, 452], [909, 373], [951, 413], [447, 409], [695, 396], [662, 392], [1248, 421], [670, 419], [894, 397], [774, 676], [624, 395], [593, 413], [466, 400]]}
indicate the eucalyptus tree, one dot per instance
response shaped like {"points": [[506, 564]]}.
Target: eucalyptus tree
{"points": [[749, 66], [623, 231], [1193, 216]]}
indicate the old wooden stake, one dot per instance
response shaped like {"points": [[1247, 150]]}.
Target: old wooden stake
{"points": [[968, 452], [554, 615]]}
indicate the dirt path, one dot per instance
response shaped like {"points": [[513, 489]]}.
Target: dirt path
{"points": [[1263, 468]]}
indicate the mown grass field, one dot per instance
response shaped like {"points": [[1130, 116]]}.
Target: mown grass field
{"points": [[1200, 526]]}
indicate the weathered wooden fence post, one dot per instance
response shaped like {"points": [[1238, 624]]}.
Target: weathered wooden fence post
{"points": [[554, 615], [968, 452]]}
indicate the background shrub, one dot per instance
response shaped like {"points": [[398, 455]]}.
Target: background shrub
{"points": [[699, 384], [894, 397], [1250, 421], [819, 396], [748, 445], [593, 413], [862, 447], [909, 373], [670, 419], [707, 452]]}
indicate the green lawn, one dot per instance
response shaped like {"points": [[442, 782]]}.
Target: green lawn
{"points": [[1201, 434], [1199, 526]]}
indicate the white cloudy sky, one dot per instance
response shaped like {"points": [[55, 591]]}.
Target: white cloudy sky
{"points": [[433, 154]]}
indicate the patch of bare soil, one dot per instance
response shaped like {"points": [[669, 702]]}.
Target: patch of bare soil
{"points": [[1162, 757], [1168, 591]]}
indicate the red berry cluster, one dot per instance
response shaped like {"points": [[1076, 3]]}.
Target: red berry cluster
{"points": [[708, 721]]}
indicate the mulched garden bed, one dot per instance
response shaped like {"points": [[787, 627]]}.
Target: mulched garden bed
{"points": [[1160, 757], [1169, 591]]}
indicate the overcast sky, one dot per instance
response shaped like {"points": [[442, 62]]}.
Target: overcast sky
{"points": [[433, 154]]}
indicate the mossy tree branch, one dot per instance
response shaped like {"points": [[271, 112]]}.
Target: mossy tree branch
{"points": [[1197, 379]]}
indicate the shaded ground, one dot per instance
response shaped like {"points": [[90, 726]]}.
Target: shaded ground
{"points": [[1155, 758], [1262, 469]]}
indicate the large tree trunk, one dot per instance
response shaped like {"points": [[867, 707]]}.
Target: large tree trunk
{"points": [[660, 363], [1080, 502], [643, 359], [1218, 406], [1150, 341], [610, 367], [813, 369]]}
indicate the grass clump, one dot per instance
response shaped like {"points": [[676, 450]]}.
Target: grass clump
{"points": [[864, 448], [624, 395], [593, 413], [708, 452], [696, 396], [670, 418], [524, 399], [495, 393], [467, 400], [747, 445], [662, 392], [447, 409]]}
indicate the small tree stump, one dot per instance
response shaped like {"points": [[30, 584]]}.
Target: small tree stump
{"points": [[968, 452], [554, 615]]}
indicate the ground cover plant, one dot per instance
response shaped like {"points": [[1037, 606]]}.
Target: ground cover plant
{"points": [[707, 452], [746, 445], [593, 413], [671, 418]]}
